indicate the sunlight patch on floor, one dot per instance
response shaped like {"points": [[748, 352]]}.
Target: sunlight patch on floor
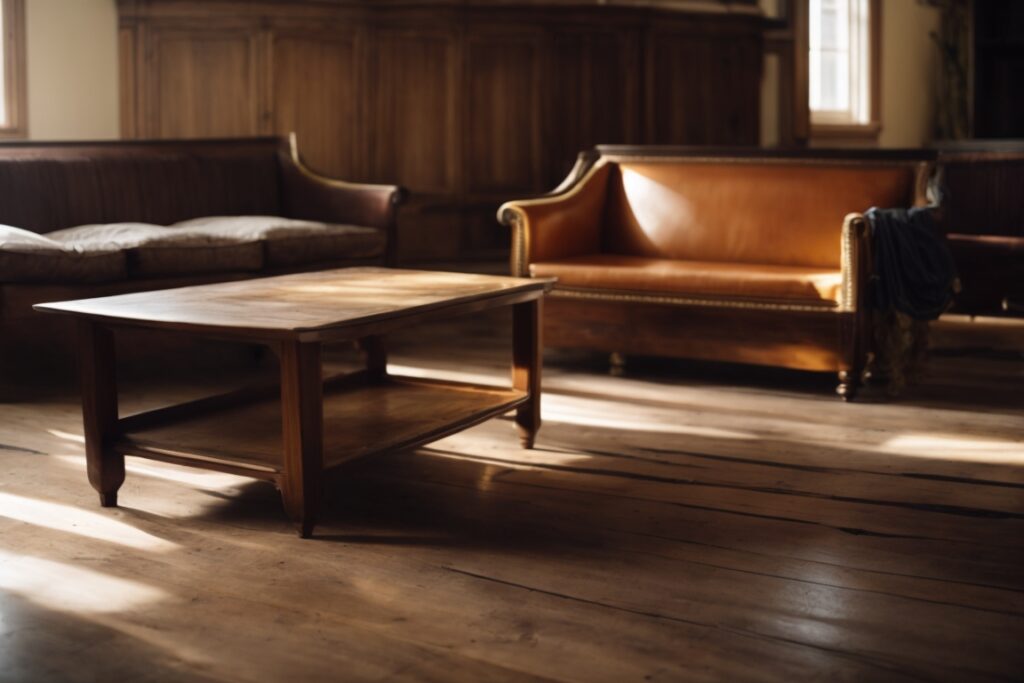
{"points": [[450, 375], [169, 503], [199, 479], [215, 481], [63, 587], [67, 436], [500, 443], [612, 415], [72, 520], [956, 447]]}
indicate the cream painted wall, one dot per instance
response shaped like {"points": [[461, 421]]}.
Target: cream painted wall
{"points": [[910, 70], [71, 59]]}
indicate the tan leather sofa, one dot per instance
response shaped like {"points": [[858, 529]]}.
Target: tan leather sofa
{"points": [[753, 256]]}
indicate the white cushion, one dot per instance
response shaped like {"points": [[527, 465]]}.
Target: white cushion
{"points": [[292, 242], [158, 250], [16, 239], [111, 235], [112, 251], [28, 257]]}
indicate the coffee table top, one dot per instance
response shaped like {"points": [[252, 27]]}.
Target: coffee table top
{"points": [[321, 305]]}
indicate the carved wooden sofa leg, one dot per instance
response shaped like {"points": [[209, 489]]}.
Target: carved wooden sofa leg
{"points": [[851, 381], [849, 384], [616, 364]]}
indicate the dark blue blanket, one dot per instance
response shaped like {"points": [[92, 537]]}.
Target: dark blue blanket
{"points": [[914, 271]]}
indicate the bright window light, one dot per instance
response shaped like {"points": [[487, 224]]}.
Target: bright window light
{"points": [[839, 61]]}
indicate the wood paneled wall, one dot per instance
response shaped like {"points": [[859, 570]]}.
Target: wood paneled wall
{"points": [[464, 105]]}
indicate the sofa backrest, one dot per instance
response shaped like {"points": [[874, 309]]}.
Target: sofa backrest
{"points": [[778, 211], [49, 186]]}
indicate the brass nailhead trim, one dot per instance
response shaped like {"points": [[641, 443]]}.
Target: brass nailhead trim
{"points": [[709, 302]]}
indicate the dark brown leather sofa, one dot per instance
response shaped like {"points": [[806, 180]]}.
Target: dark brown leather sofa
{"points": [[729, 255], [308, 221]]}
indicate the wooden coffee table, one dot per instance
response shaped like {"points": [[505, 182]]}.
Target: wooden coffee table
{"points": [[291, 434]]}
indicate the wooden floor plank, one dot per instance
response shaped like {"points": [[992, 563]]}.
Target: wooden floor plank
{"points": [[679, 523], [687, 539]]}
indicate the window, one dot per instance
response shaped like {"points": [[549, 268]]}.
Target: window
{"points": [[12, 68], [843, 66]]}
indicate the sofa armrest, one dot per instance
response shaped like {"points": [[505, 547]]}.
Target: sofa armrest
{"points": [[557, 226], [311, 196], [855, 262]]}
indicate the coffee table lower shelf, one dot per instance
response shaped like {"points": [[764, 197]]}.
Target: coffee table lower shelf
{"points": [[240, 433]]}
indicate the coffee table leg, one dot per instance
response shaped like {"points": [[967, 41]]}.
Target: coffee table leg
{"points": [[99, 410], [376, 355], [526, 367], [302, 432]]}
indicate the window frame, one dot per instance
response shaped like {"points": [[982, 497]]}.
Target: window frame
{"points": [[824, 125], [14, 94]]}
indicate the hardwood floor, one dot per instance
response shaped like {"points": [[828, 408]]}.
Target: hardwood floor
{"points": [[682, 522]]}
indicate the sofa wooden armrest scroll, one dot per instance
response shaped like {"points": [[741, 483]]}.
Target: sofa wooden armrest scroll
{"points": [[312, 196], [746, 256]]}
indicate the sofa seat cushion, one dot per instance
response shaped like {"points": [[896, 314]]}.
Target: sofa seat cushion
{"points": [[28, 257], [613, 272], [159, 251], [291, 242]]}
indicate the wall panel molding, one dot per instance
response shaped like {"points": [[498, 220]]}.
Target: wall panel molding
{"points": [[465, 105]]}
